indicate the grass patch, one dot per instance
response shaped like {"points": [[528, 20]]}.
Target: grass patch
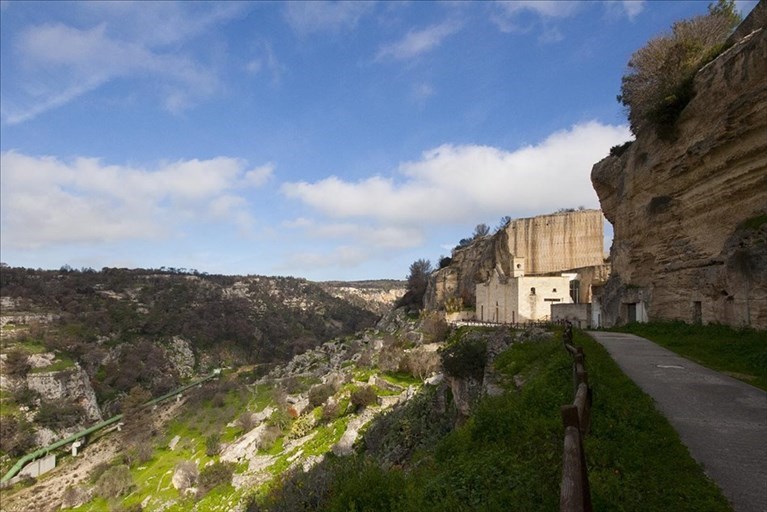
{"points": [[62, 362], [508, 456], [401, 379], [636, 459], [740, 353]]}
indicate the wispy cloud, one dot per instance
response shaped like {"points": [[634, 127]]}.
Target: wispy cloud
{"points": [[314, 17], [525, 16], [628, 8], [418, 42], [453, 183], [47, 201], [266, 60], [55, 63]]}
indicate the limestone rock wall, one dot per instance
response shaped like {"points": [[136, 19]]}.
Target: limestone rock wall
{"points": [[549, 244], [690, 215], [70, 385]]}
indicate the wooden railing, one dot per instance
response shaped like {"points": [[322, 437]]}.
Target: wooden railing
{"points": [[575, 495]]}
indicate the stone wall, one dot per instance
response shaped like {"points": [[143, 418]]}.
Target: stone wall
{"points": [[559, 242], [690, 215]]}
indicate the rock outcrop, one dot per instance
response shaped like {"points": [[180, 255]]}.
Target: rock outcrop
{"points": [[70, 385], [690, 214], [548, 243]]}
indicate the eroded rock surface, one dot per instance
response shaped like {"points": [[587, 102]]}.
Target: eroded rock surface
{"points": [[689, 214]]}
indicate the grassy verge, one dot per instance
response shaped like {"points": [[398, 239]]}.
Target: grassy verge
{"points": [[508, 456], [739, 353], [636, 460]]}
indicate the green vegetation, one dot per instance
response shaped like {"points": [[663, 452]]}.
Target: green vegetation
{"points": [[754, 222], [659, 84], [509, 453], [740, 353], [464, 356]]}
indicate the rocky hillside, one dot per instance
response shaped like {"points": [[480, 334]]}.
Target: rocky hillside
{"points": [[690, 212], [378, 296], [75, 343]]}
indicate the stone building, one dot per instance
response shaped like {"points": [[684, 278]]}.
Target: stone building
{"points": [[548, 245], [519, 298], [522, 298]]}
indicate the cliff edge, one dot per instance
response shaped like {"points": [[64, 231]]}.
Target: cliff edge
{"points": [[690, 215]]}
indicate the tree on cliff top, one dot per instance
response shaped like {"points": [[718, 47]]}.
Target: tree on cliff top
{"points": [[416, 285], [659, 83]]}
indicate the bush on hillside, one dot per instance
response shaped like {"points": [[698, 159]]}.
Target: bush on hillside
{"points": [[57, 415], [465, 358], [362, 397], [16, 363], [16, 436], [213, 475], [319, 394], [115, 481], [659, 83]]}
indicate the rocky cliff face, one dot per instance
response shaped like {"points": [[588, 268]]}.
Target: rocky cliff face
{"points": [[71, 385], [690, 215]]}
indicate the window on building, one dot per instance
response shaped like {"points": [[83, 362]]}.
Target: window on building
{"points": [[575, 291], [532, 290], [554, 290]]}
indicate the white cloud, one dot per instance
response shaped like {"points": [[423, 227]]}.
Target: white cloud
{"points": [[545, 8], [360, 234], [418, 42], [522, 17], [258, 176], [55, 63], [628, 8], [47, 201], [311, 17], [633, 8], [453, 183], [509, 16], [340, 257]]}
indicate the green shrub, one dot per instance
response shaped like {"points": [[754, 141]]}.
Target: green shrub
{"points": [[213, 475], [16, 363], [659, 83], [319, 394], [56, 415], [280, 418], [362, 397], [465, 358], [213, 444], [16, 436], [115, 481], [330, 411], [25, 396]]}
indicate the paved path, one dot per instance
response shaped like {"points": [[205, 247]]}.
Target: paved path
{"points": [[720, 419]]}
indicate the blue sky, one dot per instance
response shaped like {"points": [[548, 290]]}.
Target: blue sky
{"points": [[322, 140]]}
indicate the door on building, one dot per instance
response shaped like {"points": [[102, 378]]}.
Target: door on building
{"points": [[631, 312], [697, 312]]}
